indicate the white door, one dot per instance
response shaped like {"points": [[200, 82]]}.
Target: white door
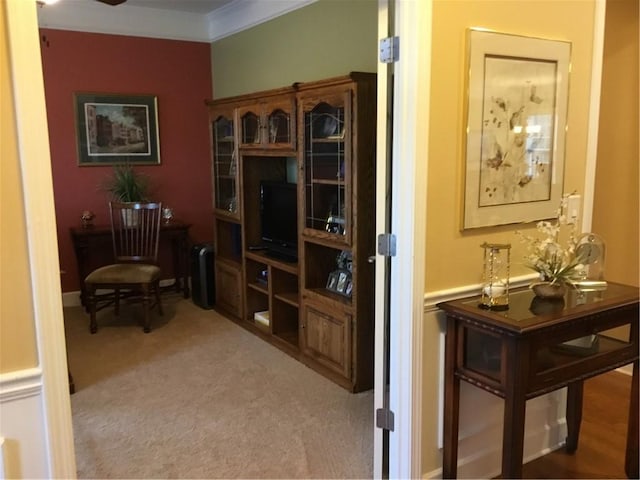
{"points": [[401, 206]]}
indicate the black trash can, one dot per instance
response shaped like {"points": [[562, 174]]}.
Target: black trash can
{"points": [[203, 287]]}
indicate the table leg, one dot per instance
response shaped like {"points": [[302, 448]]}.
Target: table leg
{"points": [[631, 456], [180, 263], [451, 405], [176, 252], [574, 415], [513, 436], [516, 365], [184, 249], [81, 248]]}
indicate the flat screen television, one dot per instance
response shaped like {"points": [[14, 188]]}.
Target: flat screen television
{"points": [[279, 219]]}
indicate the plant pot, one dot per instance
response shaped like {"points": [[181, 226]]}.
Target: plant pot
{"points": [[130, 218], [548, 289]]}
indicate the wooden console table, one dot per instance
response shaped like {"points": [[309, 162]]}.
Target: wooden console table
{"points": [[97, 240], [535, 347]]}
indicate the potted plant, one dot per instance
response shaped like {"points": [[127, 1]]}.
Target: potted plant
{"points": [[127, 185]]}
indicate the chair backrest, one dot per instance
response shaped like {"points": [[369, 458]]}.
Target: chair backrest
{"points": [[135, 230]]}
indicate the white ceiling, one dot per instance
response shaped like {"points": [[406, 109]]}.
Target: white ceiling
{"points": [[193, 6], [194, 20]]}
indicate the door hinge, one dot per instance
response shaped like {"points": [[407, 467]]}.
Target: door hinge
{"points": [[389, 49], [387, 245], [384, 419]]}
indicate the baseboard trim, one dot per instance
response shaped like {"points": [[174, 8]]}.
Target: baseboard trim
{"points": [[486, 463]]}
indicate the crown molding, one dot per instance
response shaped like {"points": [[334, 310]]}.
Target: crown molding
{"points": [[135, 21], [243, 14]]}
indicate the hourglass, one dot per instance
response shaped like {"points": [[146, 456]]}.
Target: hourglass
{"points": [[495, 279]]}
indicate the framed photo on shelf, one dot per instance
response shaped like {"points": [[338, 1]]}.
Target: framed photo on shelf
{"points": [[339, 281], [516, 118], [332, 281], [113, 129]]}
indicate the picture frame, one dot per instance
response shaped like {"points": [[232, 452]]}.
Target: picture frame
{"points": [[115, 129], [340, 281], [517, 100]]}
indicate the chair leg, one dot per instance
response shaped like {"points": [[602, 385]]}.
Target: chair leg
{"points": [[91, 301], [116, 301], [146, 301], [157, 290]]}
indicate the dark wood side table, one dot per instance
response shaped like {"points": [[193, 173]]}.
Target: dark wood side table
{"points": [[97, 239], [535, 347]]}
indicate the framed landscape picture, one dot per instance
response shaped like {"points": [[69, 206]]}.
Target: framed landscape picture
{"points": [[516, 120], [113, 129]]}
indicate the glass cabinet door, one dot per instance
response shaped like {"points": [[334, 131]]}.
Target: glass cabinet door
{"points": [[250, 128], [280, 122], [225, 166], [269, 124], [327, 170]]}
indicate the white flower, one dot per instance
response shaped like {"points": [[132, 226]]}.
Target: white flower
{"points": [[547, 256]]}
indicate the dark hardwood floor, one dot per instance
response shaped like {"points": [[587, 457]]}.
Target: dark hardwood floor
{"points": [[603, 435]]}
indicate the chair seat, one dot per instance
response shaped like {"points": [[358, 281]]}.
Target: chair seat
{"points": [[124, 273]]}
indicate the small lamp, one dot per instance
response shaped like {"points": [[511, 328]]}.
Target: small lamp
{"points": [[495, 278]]}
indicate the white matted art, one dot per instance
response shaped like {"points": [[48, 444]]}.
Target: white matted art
{"points": [[516, 120]]}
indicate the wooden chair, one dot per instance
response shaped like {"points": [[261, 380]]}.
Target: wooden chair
{"points": [[134, 275]]}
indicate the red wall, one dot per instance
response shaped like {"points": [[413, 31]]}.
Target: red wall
{"points": [[179, 74]]}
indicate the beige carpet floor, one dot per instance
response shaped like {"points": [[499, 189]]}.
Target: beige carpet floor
{"points": [[200, 397]]}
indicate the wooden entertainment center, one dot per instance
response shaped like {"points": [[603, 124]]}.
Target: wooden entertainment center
{"points": [[320, 136]]}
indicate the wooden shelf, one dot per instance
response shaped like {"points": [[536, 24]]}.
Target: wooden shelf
{"points": [[328, 181], [336, 139], [260, 256], [291, 338], [259, 287], [335, 297], [289, 298]]}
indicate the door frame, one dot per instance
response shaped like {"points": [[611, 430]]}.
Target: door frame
{"points": [[37, 187], [407, 200]]}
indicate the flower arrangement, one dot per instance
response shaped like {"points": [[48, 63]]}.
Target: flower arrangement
{"points": [[556, 262]]}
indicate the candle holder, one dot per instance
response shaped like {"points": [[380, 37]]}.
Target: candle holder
{"points": [[495, 278], [167, 214], [87, 218]]}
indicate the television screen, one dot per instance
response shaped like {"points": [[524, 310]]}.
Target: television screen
{"points": [[279, 218]]}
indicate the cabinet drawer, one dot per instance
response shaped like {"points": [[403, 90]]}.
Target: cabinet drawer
{"points": [[326, 337], [228, 288]]}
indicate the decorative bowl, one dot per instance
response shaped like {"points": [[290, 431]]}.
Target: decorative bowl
{"points": [[548, 289]]}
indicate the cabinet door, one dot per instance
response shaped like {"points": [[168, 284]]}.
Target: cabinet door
{"points": [[250, 125], [326, 337], [228, 288], [268, 124], [327, 165], [225, 165], [279, 118]]}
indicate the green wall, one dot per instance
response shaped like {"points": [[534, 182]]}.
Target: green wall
{"points": [[326, 39]]}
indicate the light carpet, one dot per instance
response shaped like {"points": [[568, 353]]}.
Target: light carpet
{"points": [[200, 397]]}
